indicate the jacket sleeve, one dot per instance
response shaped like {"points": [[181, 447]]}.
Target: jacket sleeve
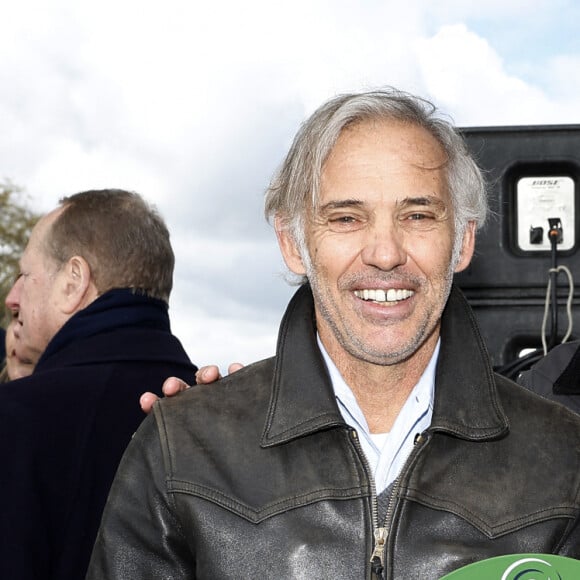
{"points": [[140, 537]]}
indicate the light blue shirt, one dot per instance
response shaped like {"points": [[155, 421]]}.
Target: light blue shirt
{"points": [[387, 452]]}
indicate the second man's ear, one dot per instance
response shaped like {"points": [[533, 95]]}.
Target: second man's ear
{"points": [[78, 288]]}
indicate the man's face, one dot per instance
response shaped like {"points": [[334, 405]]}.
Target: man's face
{"points": [[34, 296], [380, 243]]}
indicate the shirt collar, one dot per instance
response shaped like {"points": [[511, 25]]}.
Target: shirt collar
{"points": [[414, 417], [423, 393]]}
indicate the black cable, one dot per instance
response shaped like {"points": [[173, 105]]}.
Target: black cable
{"points": [[512, 369], [554, 236], [554, 294], [517, 366]]}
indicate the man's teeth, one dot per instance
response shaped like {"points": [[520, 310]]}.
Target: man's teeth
{"points": [[391, 295]]}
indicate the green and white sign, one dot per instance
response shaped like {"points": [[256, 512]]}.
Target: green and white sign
{"points": [[520, 567]]}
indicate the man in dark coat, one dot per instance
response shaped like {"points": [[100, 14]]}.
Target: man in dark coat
{"points": [[92, 297]]}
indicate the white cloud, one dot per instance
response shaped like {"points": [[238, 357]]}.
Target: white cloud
{"points": [[467, 77], [194, 105], [516, 10], [222, 341], [562, 76]]}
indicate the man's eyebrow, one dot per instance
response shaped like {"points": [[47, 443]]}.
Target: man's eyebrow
{"points": [[339, 204], [424, 200]]}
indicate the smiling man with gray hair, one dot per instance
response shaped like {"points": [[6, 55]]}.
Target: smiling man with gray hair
{"points": [[378, 442]]}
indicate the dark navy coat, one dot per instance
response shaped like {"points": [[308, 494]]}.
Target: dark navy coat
{"points": [[64, 429]]}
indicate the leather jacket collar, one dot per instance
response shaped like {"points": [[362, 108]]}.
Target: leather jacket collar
{"points": [[466, 400]]}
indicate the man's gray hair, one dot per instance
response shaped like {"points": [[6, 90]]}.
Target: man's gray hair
{"points": [[294, 189]]}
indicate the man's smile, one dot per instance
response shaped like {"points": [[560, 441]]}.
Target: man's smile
{"points": [[391, 295]]}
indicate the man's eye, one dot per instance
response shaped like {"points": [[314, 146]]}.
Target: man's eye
{"points": [[419, 220], [345, 219], [344, 223]]}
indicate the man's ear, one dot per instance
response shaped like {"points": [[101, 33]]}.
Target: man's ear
{"points": [[467, 247], [78, 288], [289, 247]]}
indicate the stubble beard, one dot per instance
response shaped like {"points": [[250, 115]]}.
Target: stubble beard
{"points": [[351, 343]]}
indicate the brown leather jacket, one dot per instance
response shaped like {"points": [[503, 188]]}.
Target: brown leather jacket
{"points": [[259, 476]]}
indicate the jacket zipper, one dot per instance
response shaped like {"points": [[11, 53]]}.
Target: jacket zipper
{"points": [[381, 534], [378, 555], [374, 501]]}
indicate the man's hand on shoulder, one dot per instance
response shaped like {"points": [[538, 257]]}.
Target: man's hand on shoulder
{"points": [[172, 386], [211, 373]]}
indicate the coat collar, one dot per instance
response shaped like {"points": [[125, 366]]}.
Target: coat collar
{"points": [[466, 398], [303, 401], [116, 309]]}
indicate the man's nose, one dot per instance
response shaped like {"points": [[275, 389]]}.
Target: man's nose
{"points": [[384, 247], [13, 298]]}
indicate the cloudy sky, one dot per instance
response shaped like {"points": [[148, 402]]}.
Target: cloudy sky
{"points": [[194, 104]]}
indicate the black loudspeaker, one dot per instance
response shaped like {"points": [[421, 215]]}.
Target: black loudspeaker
{"points": [[534, 179]]}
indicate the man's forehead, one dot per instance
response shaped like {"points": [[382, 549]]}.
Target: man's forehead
{"points": [[44, 224], [38, 235], [409, 142]]}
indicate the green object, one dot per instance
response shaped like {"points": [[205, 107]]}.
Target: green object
{"points": [[520, 567]]}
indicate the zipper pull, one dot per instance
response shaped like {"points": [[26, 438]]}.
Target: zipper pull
{"points": [[377, 558]]}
